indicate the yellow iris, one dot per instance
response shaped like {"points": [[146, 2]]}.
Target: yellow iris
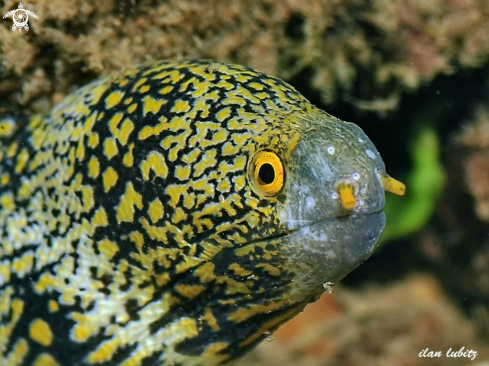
{"points": [[267, 173]]}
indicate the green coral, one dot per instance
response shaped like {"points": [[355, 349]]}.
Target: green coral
{"points": [[424, 184]]}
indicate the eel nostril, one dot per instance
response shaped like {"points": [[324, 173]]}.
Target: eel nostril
{"points": [[347, 194], [392, 185]]}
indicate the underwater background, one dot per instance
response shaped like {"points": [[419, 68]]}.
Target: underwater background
{"points": [[413, 74]]}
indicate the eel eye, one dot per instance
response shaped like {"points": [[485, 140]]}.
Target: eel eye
{"points": [[267, 173]]}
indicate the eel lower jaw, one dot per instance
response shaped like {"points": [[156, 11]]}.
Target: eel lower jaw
{"points": [[328, 249]]}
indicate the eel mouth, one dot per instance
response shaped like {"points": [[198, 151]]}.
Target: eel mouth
{"points": [[347, 196], [327, 249]]}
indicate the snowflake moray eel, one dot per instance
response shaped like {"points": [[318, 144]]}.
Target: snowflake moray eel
{"points": [[174, 214]]}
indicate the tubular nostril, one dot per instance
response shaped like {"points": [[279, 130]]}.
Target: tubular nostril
{"points": [[392, 185], [346, 192]]}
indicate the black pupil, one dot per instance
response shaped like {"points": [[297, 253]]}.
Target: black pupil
{"points": [[266, 173]]}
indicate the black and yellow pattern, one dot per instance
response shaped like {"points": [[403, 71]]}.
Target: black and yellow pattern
{"points": [[174, 214]]}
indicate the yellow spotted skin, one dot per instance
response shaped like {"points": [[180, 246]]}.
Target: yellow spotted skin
{"points": [[135, 229]]}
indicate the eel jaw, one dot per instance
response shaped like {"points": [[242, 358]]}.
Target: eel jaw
{"points": [[327, 250]]}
